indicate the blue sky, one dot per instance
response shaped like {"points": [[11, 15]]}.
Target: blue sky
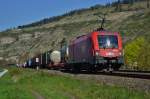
{"points": [[19, 12]]}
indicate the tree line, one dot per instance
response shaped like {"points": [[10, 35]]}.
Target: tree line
{"points": [[57, 18], [118, 3]]}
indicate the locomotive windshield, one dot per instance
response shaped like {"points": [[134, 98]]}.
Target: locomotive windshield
{"points": [[108, 41]]}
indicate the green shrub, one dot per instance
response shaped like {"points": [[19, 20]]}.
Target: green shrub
{"points": [[137, 54]]}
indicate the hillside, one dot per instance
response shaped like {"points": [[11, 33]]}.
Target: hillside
{"points": [[26, 41]]}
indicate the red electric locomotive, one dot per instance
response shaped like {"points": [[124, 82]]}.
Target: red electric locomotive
{"points": [[100, 49], [96, 50]]}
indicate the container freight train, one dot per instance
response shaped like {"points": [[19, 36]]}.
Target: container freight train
{"points": [[48, 59], [95, 51]]}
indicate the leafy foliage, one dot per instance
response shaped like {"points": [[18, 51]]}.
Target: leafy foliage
{"points": [[144, 56], [132, 49], [137, 54]]}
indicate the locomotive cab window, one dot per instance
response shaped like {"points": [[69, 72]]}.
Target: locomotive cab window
{"points": [[108, 41]]}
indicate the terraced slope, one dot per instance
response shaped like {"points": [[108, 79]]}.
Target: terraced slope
{"points": [[21, 43]]}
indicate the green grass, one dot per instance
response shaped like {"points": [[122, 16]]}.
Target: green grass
{"points": [[31, 84]]}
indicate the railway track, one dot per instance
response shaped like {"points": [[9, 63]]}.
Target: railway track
{"points": [[130, 74], [120, 73], [131, 80]]}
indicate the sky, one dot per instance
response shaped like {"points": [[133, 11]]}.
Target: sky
{"points": [[19, 12]]}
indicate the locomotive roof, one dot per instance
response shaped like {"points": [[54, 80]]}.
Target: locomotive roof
{"points": [[103, 32]]}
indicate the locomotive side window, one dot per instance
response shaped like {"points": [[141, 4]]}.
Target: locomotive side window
{"points": [[108, 41]]}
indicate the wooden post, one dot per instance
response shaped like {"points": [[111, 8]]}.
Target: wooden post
{"points": [[37, 63], [148, 5]]}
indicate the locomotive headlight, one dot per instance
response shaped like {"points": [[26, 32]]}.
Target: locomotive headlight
{"points": [[109, 54], [120, 53], [96, 54]]}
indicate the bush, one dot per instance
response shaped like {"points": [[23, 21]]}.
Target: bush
{"points": [[137, 54], [144, 56]]}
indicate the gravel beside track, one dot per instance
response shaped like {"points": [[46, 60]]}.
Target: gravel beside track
{"points": [[141, 75], [131, 83]]}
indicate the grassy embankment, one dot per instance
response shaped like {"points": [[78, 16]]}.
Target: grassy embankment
{"points": [[31, 84]]}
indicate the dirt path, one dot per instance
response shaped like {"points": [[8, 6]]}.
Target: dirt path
{"points": [[37, 95], [3, 72]]}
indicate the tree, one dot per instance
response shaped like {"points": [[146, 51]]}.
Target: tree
{"points": [[118, 6], [144, 56], [131, 2], [63, 42], [148, 3], [132, 50]]}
